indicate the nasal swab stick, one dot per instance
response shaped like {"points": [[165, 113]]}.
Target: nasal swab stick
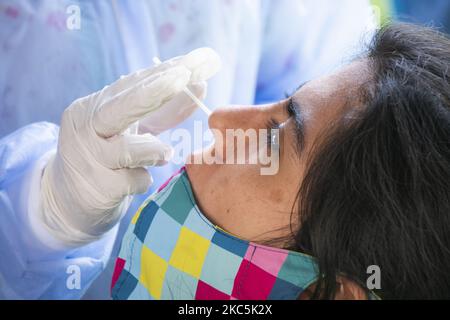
{"points": [[194, 98]]}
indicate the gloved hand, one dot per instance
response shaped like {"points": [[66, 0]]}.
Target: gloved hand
{"points": [[86, 186]]}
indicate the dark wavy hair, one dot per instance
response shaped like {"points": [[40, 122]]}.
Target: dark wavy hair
{"points": [[377, 189]]}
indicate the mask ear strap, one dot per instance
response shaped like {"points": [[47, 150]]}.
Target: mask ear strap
{"points": [[347, 290], [350, 290]]}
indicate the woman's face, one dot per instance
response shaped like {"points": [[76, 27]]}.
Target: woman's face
{"points": [[256, 207]]}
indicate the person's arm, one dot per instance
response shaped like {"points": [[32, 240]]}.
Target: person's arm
{"points": [[306, 39], [34, 265], [60, 204]]}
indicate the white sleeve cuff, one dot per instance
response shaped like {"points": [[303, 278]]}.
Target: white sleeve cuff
{"points": [[32, 200]]}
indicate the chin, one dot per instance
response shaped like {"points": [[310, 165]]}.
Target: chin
{"points": [[197, 157]]}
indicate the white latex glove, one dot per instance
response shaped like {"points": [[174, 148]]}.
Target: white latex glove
{"points": [[99, 163]]}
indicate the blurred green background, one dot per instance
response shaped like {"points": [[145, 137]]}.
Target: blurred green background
{"points": [[430, 12]]}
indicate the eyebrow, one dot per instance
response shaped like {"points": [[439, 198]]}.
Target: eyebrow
{"points": [[288, 95], [300, 86]]}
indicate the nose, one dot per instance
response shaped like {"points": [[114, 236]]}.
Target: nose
{"points": [[238, 117]]}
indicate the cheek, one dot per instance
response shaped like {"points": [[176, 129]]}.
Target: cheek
{"points": [[276, 195], [241, 201]]}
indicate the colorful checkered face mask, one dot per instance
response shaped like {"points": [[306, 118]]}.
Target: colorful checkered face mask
{"points": [[172, 251]]}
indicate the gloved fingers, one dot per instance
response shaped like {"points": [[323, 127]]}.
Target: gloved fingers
{"points": [[203, 64], [134, 151], [199, 89], [118, 113], [132, 181], [174, 111]]}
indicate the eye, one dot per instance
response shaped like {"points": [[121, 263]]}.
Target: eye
{"points": [[273, 128]]}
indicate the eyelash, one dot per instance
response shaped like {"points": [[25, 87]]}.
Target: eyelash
{"points": [[272, 124], [292, 111], [290, 108]]}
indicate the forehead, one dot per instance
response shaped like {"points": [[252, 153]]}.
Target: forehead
{"points": [[333, 92]]}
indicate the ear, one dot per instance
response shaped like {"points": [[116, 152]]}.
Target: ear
{"points": [[350, 290]]}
